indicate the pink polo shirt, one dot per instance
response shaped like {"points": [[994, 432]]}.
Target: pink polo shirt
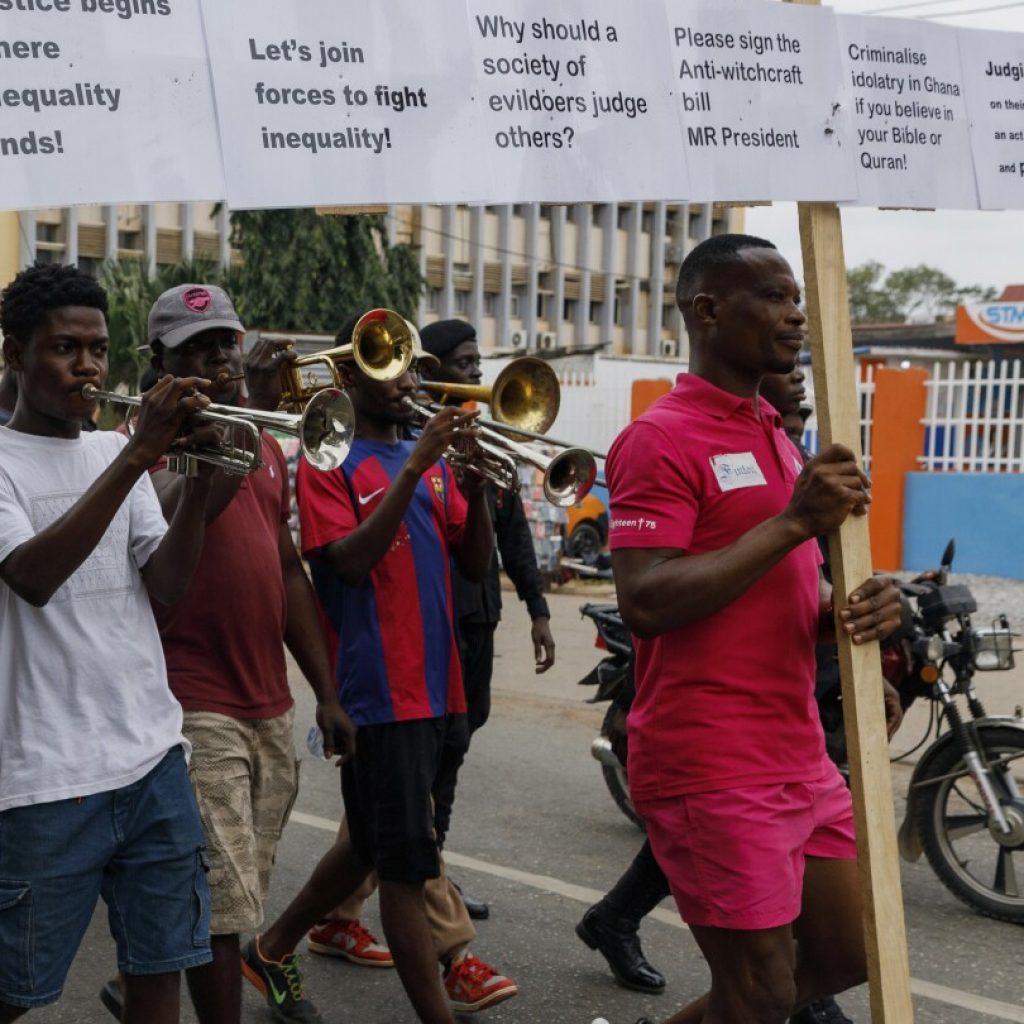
{"points": [[727, 700]]}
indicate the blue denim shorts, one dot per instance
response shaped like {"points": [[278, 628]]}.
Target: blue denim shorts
{"points": [[140, 847]]}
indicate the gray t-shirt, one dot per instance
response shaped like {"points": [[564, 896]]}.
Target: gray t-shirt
{"points": [[84, 702]]}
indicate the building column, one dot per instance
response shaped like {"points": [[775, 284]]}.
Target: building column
{"points": [[609, 228], [558, 255], [187, 220], [680, 240], [532, 272], [419, 240], [477, 215], [110, 246], [70, 217], [582, 217], [656, 293], [224, 240], [10, 247], [503, 323], [149, 237], [631, 314], [27, 237], [448, 254]]}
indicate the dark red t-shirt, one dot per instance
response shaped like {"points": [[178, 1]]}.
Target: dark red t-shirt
{"points": [[224, 642], [727, 700]]}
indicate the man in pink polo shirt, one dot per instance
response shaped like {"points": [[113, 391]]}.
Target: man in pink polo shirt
{"points": [[713, 527]]}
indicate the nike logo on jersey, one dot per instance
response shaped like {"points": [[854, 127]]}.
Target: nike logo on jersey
{"points": [[365, 499]]}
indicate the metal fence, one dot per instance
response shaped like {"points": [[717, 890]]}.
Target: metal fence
{"points": [[974, 422], [866, 402]]}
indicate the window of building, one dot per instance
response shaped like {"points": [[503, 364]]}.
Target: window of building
{"points": [[462, 303], [597, 214], [515, 302], [433, 299], [617, 314], [129, 240], [490, 304], [595, 312], [48, 232], [90, 265], [569, 307], [624, 214]]}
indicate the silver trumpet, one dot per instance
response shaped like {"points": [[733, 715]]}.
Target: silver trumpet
{"points": [[239, 456], [325, 430], [568, 475]]}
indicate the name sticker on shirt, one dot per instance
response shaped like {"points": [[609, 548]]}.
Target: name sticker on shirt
{"points": [[737, 470]]}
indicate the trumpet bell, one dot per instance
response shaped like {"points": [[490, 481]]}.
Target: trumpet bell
{"points": [[382, 344], [326, 429], [526, 394], [569, 477]]}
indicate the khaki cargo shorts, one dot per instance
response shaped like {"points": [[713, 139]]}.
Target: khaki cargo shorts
{"points": [[246, 778]]}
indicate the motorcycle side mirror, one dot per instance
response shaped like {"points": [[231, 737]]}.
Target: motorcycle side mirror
{"points": [[947, 557]]}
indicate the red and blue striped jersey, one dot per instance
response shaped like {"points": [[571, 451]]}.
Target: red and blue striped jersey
{"points": [[397, 657]]}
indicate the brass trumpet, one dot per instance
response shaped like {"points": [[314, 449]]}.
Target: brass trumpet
{"points": [[240, 458], [525, 394], [568, 476], [382, 346]]}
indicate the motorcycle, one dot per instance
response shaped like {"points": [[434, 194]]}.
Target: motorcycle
{"points": [[965, 811], [611, 676]]}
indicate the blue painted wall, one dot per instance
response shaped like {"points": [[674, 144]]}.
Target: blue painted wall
{"points": [[984, 511]]}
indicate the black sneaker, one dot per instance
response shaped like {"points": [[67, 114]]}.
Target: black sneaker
{"points": [[280, 984], [111, 998], [821, 1011]]}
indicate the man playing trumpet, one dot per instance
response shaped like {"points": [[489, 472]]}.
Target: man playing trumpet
{"points": [[382, 529], [232, 681], [94, 794]]}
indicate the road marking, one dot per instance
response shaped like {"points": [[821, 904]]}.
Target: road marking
{"points": [[581, 894]]}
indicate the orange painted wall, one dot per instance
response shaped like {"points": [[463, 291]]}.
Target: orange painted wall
{"points": [[646, 393], [896, 442]]}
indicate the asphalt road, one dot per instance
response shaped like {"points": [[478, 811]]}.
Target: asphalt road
{"points": [[536, 834]]}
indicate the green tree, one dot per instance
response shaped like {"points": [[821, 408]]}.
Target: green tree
{"points": [[920, 294], [869, 302], [304, 272]]}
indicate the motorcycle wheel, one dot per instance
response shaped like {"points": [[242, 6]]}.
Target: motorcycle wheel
{"points": [[953, 824], [616, 780]]}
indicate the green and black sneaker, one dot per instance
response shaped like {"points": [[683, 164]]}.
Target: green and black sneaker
{"points": [[280, 984]]}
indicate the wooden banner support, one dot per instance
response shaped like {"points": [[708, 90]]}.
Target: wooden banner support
{"points": [[835, 390]]}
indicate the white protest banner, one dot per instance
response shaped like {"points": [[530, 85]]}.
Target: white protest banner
{"points": [[105, 101], [912, 143], [343, 102], [574, 102], [993, 66], [759, 95]]}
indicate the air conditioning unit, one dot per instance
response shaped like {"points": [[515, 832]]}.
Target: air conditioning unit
{"points": [[518, 339], [546, 341], [669, 348], [673, 252]]}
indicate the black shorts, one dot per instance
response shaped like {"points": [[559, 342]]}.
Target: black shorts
{"points": [[389, 789]]}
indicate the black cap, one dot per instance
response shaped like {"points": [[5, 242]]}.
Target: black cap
{"points": [[441, 337]]}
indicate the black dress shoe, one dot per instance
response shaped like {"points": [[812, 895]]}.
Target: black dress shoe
{"points": [[477, 909], [619, 944], [111, 998], [821, 1011]]}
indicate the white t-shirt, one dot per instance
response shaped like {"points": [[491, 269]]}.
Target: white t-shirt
{"points": [[84, 702]]}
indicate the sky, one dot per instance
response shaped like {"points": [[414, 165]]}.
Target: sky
{"points": [[973, 247]]}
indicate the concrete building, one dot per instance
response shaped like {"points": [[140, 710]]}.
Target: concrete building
{"points": [[532, 277]]}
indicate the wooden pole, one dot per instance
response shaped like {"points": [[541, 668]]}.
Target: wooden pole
{"points": [[835, 390]]}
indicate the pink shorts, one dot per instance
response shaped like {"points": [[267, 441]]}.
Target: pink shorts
{"points": [[735, 857]]}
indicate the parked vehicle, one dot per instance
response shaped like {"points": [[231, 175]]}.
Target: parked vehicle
{"points": [[965, 809], [586, 529]]}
